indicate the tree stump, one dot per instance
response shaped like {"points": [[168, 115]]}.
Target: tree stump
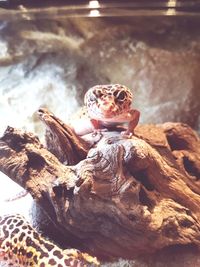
{"points": [[119, 197]]}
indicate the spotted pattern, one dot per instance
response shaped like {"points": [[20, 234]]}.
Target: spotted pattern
{"points": [[21, 245], [108, 101]]}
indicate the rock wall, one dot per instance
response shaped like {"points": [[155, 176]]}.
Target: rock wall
{"points": [[52, 62]]}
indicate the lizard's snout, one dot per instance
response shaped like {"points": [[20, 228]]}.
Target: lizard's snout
{"points": [[108, 107]]}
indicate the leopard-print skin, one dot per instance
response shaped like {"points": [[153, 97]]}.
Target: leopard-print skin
{"points": [[21, 245], [107, 107], [108, 101]]}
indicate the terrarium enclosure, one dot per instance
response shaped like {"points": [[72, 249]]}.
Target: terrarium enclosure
{"points": [[51, 53], [50, 56]]}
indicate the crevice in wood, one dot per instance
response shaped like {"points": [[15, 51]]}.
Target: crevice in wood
{"points": [[145, 199], [190, 168], [142, 176]]}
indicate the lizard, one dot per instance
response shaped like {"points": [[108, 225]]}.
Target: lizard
{"points": [[19, 195], [106, 106], [21, 245]]}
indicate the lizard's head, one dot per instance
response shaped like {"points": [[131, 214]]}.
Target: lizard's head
{"points": [[108, 101]]}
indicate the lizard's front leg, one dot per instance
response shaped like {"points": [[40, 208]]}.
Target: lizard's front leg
{"points": [[97, 127], [135, 116]]}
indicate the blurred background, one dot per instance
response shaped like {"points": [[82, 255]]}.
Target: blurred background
{"points": [[51, 52]]}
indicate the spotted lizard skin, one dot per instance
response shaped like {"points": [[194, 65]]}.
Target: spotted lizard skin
{"points": [[21, 245], [106, 106]]}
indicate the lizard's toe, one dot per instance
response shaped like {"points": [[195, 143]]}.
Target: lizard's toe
{"points": [[126, 134]]}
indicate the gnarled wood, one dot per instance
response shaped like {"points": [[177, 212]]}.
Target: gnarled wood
{"points": [[61, 140], [121, 197]]}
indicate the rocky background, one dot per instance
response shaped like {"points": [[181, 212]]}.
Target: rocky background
{"points": [[51, 62]]}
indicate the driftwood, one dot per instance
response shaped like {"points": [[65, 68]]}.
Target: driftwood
{"points": [[119, 197]]}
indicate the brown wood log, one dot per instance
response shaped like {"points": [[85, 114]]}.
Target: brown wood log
{"points": [[120, 197]]}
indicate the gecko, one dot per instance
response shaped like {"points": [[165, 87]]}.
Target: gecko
{"points": [[21, 246], [106, 107]]}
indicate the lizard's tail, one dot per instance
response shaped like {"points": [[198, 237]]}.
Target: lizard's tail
{"points": [[21, 194]]}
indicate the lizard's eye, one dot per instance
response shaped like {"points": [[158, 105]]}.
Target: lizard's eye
{"points": [[93, 98], [121, 96], [90, 99]]}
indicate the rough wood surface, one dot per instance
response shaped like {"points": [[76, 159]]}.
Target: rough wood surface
{"points": [[120, 197]]}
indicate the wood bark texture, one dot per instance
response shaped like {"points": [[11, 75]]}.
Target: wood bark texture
{"points": [[119, 197]]}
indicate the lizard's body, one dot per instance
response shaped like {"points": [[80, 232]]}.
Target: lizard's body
{"points": [[21, 246], [106, 106]]}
